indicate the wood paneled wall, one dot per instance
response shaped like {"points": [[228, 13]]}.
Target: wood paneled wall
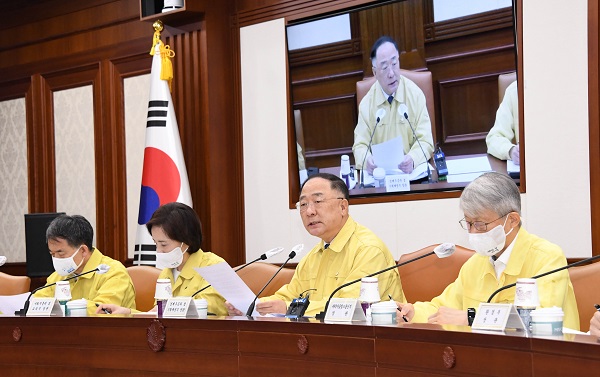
{"points": [[51, 45]]}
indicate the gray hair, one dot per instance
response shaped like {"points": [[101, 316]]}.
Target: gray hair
{"points": [[76, 230], [491, 191]]}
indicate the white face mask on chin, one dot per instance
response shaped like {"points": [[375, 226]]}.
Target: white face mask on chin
{"points": [[172, 259], [66, 266], [491, 242]]}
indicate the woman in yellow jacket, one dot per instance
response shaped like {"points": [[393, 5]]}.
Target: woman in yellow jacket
{"points": [[177, 232]]}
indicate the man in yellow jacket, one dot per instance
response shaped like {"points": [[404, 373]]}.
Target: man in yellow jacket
{"points": [[70, 243], [505, 252], [347, 251]]}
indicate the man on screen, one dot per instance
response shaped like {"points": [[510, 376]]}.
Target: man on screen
{"points": [[347, 251], [70, 243], [503, 139], [505, 251], [390, 92]]}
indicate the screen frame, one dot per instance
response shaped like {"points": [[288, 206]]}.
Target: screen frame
{"points": [[451, 192]]}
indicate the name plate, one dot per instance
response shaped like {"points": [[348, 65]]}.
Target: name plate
{"points": [[397, 182], [180, 307], [497, 317], [44, 307], [344, 310]]}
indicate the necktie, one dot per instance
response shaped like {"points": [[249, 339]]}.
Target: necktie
{"points": [[326, 246], [390, 99]]}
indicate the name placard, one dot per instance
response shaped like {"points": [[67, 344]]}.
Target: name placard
{"points": [[344, 310], [497, 317], [180, 307], [397, 182], [44, 307]]}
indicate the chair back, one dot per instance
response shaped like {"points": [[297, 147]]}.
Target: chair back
{"points": [[585, 280], [504, 81], [13, 285], [257, 274], [424, 81], [427, 278], [144, 281]]}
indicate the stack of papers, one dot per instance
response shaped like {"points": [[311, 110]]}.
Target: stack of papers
{"points": [[467, 169]]}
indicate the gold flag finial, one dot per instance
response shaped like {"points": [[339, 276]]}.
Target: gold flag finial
{"points": [[158, 25]]}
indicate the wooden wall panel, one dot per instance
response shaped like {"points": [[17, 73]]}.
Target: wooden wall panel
{"points": [[594, 114]]}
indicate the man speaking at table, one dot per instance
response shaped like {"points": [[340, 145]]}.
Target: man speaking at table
{"points": [[347, 251], [505, 251], [390, 92]]}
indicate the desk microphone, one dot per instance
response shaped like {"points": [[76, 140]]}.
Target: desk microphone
{"points": [[296, 249], [442, 251], [403, 111], [379, 114], [266, 255], [101, 269], [2, 260], [544, 274]]}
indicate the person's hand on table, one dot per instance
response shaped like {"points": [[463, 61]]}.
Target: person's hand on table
{"points": [[514, 154], [272, 306], [407, 165], [449, 316]]}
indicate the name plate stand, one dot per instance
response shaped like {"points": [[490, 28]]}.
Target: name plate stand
{"points": [[180, 307], [397, 182], [44, 307], [497, 317], [344, 310]]}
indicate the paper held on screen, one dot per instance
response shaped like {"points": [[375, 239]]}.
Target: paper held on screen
{"points": [[389, 154], [222, 277]]}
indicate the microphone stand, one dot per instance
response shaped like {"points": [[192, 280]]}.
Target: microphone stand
{"points": [[322, 314], [23, 312], [429, 179], [362, 171], [544, 274], [251, 307]]}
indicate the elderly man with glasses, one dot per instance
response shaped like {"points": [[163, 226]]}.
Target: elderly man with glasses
{"points": [[396, 95], [347, 251], [505, 251]]}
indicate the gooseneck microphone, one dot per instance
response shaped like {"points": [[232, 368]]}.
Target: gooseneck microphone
{"points": [[584, 261], [264, 256], [296, 249], [101, 269], [403, 111], [378, 116], [442, 251]]}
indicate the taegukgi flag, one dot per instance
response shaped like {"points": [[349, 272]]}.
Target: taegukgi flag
{"points": [[164, 176]]}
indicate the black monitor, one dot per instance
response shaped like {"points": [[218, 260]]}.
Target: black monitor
{"points": [[39, 261]]}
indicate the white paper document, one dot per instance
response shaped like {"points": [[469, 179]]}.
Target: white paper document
{"points": [[10, 304], [511, 167], [467, 169], [389, 154], [229, 284], [419, 172]]}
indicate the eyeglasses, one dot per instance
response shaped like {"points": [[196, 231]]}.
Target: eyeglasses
{"points": [[385, 66], [479, 226], [302, 206]]}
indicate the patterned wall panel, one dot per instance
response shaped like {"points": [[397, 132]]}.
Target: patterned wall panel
{"points": [[136, 90], [75, 163], [13, 184]]}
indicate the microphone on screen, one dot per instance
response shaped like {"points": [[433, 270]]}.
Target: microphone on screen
{"points": [[584, 261], [295, 250], [403, 111], [442, 251], [101, 269], [274, 251], [378, 116]]}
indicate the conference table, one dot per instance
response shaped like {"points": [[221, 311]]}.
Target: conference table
{"points": [[422, 185], [268, 346]]}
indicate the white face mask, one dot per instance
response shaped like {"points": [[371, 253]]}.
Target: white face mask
{"points": [[172, 259], [66, 266], [491, 242]]}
